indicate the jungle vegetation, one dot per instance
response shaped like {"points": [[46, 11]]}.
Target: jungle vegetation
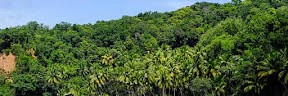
{"points": [[206, 49]]}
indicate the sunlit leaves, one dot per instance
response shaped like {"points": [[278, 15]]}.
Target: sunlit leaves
{"points": [[107, 60]]}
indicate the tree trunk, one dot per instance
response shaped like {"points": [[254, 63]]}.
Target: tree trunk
{"points": [[193, 93], [129, 92], [181, 92], [174, 91], [284, 86], [100, 92], [205, 92], [169, 91], [163, 91], [116, 91]]}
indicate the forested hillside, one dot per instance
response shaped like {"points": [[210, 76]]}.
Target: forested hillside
{"points": [[206, 49]]}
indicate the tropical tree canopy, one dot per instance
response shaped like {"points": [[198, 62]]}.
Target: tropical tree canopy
{"points": [[206, 49]]}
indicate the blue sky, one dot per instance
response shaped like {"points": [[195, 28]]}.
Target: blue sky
{"points": [[51, 12]]}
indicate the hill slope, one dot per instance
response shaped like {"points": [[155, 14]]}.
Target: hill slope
{"points": [[238, 48]]}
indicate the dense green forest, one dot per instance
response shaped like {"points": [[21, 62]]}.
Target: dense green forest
{"points": [[206, 49]]}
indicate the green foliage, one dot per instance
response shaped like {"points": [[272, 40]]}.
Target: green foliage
{"points": [[206, 49]]}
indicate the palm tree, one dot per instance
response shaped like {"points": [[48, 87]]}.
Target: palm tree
{"points": [[283, 74], [73, 90], [97, 81], [255, 85], [83, 68], [107, 60], [163, 78], [53, 77], [219, 88], [266, 68]]}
